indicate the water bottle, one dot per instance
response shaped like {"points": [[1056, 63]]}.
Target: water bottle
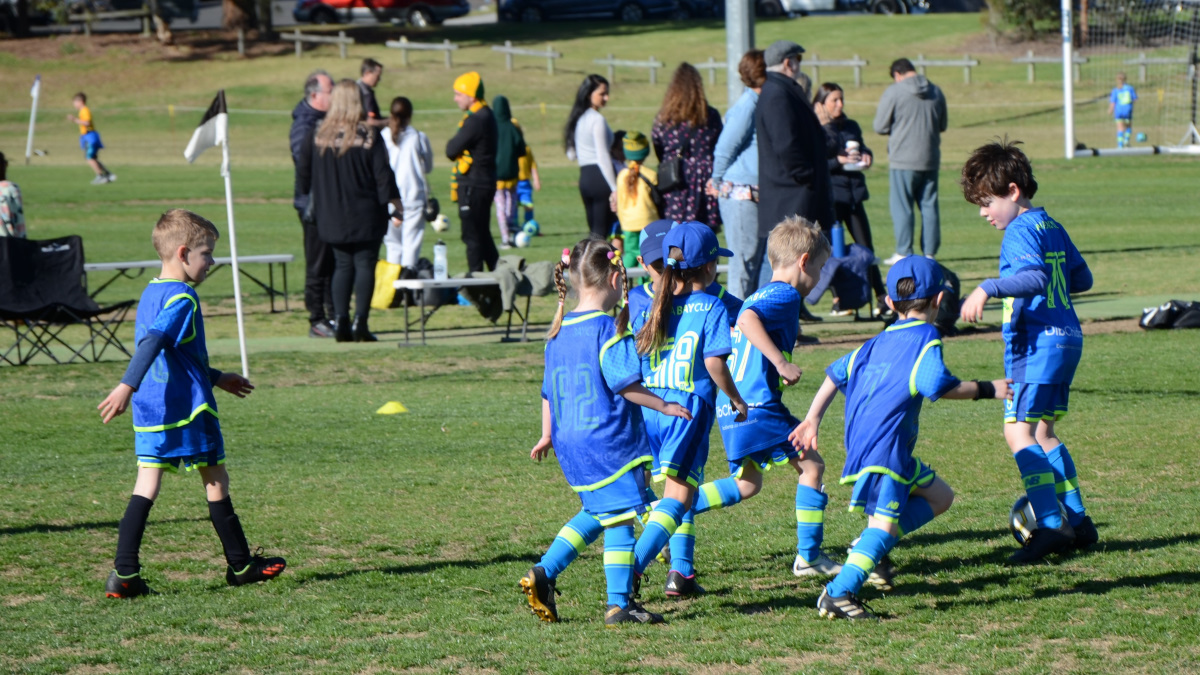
{"points": [[839, 240], [439, 261]]}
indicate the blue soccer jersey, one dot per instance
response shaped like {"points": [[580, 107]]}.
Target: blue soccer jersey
{"points": [[641, 297], [733, 304], [1043, 341], [885, 382], [697, 328], [597, 434], [1122, 99], [177, 388]]}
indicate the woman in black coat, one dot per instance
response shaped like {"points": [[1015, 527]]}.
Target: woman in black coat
{"points": [[346, 169]]}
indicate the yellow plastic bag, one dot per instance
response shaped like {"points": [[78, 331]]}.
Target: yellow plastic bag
{"points": [[385, 295]]}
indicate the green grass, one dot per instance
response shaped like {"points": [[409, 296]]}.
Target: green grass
{"points": [[406, 534]]}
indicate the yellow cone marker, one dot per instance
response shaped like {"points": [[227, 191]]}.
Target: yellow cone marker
{"points": [[391, 408]]}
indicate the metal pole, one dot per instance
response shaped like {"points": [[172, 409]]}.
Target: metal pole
{"points": [[237, 285], [739, 39], [36, 93], [1068, 83]]}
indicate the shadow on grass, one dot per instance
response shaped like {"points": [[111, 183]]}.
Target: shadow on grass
{"points": [[422, 568], [46, 528], [1089, 587]]}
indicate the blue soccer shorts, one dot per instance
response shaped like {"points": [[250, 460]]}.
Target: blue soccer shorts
{"points": [[680, 447], [884, 496], [1037, 402], [90, 144], [174, 464], [764, 459], [624, 498]]}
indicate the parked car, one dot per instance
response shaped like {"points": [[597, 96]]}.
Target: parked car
{"points": [[419, 13], [532, 11]]}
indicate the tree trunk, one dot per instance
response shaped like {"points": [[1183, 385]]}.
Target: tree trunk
{"points": [[266, 25], [237, 14]]}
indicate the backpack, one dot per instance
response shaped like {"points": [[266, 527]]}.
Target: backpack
{"points": [[1171, 314]]}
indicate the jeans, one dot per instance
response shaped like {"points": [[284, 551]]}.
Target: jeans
{"points": [[318, 273], [475, 215], [354, 268], [749, 269], [921, 187]]}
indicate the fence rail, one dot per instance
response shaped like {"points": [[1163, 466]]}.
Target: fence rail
{"points": [[510, 51], [1142, 61], [300, 38], [966, 63], [88, 18], [653, 64], [446, 47]]}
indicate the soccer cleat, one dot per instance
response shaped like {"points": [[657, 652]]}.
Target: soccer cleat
{"points": [[847, 606], [679, 586], [126, 587], [838, 311], [1042, 543], [637, 585], [883, 575], [822, 566], [540, 591], [259, 569], [99, 180], [1085, 533], [634, 613], [803, 340]]}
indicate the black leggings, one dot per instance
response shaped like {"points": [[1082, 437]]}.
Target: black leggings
{"points": [[854, 216], [354, 268], [595, 192]]}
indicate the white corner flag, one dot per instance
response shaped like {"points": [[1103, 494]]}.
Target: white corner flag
{"points": [[214, 131], [35, 93]]}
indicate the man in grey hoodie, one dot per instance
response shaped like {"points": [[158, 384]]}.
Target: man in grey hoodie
{"points": [[912, 112]]}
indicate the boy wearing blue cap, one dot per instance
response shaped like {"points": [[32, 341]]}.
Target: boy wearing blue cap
{"points": [[885, 381]]}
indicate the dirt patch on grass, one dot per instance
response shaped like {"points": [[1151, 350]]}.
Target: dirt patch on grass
{"points": [[391, 370], [22, 599]]}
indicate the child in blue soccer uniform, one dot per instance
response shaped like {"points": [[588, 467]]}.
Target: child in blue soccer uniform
{"points": [[1040, 269], [174, 412], [885, 382], [686, 337], [761, 366], [592, 419], [1120, 106]]}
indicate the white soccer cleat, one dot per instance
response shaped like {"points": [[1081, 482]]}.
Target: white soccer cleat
{"points": [[822, 566]]}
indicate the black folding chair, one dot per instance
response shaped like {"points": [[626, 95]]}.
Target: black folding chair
{"points": [[43, 292]]}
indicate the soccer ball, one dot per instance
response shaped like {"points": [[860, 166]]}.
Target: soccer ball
{"points": [[1022, 521], [441, 223], [1141, 137], [532, 228], [522, 239]]}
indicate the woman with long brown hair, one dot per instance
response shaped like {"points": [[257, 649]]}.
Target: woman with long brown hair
{"points": [[352, 184], [687, 128]]}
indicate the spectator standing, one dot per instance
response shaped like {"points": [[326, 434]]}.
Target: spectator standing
{"points": [[346, 168], [912, 114], [473, 175], [510, 146], [411, 157], [687, 127], [371, 70], [12, 213], [735, 182], [587, 139], [318, 258]]}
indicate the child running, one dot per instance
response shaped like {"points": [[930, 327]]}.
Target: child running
{"points": [[591, 417], [1040, 269], [89, 139], [174, 413], [528, 182], [885, 381]]}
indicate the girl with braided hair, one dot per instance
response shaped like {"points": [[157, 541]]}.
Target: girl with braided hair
{"points": [[592, 399]]}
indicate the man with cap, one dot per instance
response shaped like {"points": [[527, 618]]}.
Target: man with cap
{"points": [[793, 173], [473, 174]]}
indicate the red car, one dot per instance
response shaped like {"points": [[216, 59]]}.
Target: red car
{"points": [[419, 13]]}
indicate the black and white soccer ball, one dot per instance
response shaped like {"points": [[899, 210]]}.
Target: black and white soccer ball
{"points": [[1022, 521]]}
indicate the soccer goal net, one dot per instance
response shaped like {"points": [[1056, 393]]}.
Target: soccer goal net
{"points": [[1136, 92]]}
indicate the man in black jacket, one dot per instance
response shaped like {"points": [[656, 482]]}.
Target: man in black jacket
{"points": [[473, 181], [318, 259]]}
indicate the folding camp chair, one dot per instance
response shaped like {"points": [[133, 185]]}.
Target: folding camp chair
{"points": [[43, 293]]}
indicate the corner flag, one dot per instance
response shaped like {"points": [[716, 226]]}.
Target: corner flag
{"points": [[212, 131]]}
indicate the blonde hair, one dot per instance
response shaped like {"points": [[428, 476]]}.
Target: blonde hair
{"points": [[180, 227], [342, 124], [591, 262], [792, 238]]}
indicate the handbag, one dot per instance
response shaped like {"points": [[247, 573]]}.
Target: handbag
{"points": [[670, 171], [660, 204]]}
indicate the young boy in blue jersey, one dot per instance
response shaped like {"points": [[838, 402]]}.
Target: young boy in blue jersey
{"points": [[761, 365], [174, 412], [885, 381], [591, 417], [1120, 106], [1040, 269]]}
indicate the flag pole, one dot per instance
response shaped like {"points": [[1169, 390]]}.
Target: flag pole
{"points": [[237, 285], [35, 93]]}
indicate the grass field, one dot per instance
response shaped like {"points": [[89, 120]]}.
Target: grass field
{"points": [[406, 534]]}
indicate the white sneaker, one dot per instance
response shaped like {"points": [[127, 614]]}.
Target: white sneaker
{"points": [[99, 180], [896, 257], [930, 257], [822, 566], [112, 177]]}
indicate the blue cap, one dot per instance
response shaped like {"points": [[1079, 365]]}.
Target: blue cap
{"points": [[698, 243], [924, 271], [653, 233]]}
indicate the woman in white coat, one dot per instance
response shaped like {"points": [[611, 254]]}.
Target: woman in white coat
{"points": [[411, 158]]}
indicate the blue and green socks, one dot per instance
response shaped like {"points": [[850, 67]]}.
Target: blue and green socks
{"points": [[1066, 484], [916, 514], [576, 535], [618, 563], [1038, 478], [716, 495], [663, 522], [683, 545], [870, 549], [810, 522]]}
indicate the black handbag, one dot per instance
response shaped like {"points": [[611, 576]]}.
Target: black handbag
{"points": [[660, 204], [670, 171]]}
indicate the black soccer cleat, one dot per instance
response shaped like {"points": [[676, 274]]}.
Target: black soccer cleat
{"points": [[634, 613], [679, 586], [540, 591], [131, 586], [259, 569], [1085, 533], [847, 606], [1042, 543], [884, 574]]}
